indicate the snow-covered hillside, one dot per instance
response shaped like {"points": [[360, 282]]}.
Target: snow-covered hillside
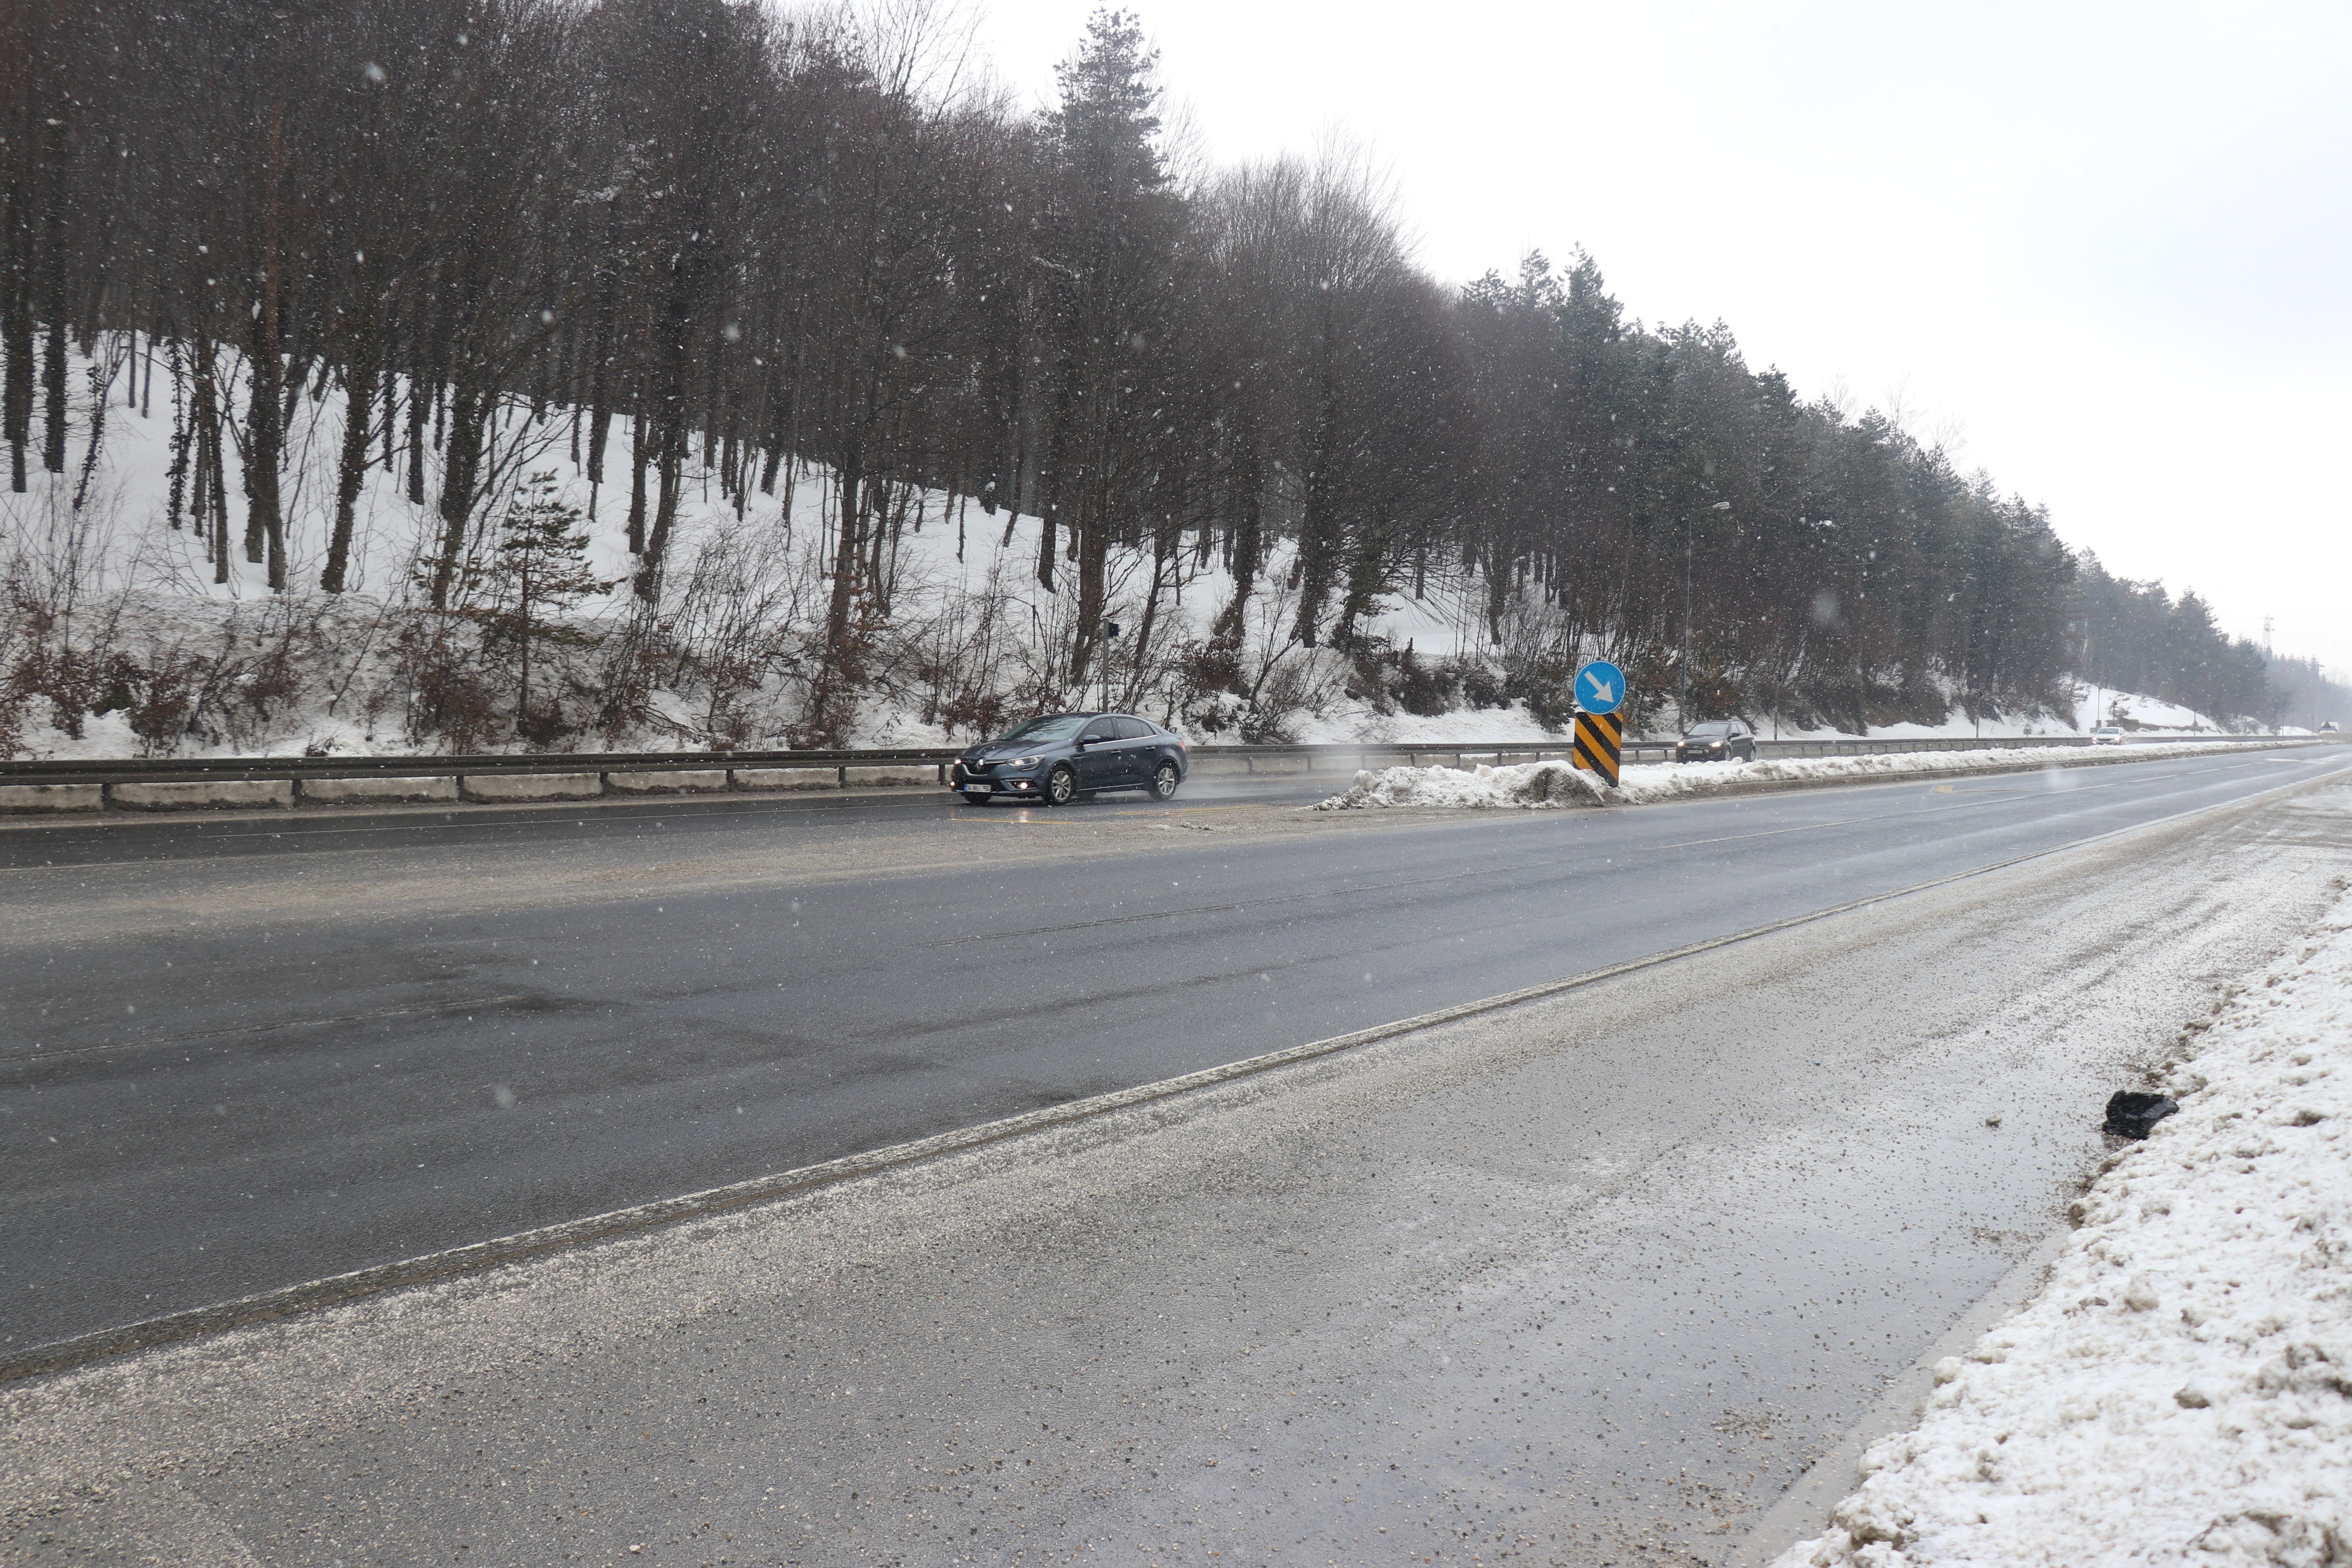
{"points": [[127, 638], [970, 634]]}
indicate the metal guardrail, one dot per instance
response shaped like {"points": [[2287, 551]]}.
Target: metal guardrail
{"points": [[437, 765], [1286, 759]]}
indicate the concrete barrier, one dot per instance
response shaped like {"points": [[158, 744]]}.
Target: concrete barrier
{"points": [[530, 786], [375, 790], [667, 781], [889, 773], [204, 794], [784, 778], [31, 800]]}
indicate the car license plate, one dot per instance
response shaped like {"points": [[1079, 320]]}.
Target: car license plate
{"points": [[979, 789]]}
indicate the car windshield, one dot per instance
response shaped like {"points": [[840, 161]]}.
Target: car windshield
{"points": [[2107, 730], [1709, 732], [1058, 727]]}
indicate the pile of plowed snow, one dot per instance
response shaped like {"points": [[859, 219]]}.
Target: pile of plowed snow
{"points": [[1541, 786], [2181, 1391]]}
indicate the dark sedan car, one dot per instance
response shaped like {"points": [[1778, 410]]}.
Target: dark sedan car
{"points": [[1061, 757], [1723, 740]]}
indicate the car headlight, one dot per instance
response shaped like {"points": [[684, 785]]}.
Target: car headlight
{"points": [[1025, 762]]}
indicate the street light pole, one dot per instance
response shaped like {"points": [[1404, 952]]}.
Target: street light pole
{"points": [[1682, 703]]}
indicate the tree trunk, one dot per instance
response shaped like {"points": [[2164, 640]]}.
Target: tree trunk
{"points": [[265, 437], [600, 374], [1367, 572], [390, 378], [53, 298], [359, 404], [53, 352], [16, 327], [672, 462], [638, 455], [522, 697], [418, 398], [102, 393], [261, 445], [212, 488], [1248, 543], [1093, 539], [845, 555], [460, 472], [181, 432]]}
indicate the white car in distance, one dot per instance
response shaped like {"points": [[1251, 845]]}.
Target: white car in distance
{"points": [[2107, 735]]}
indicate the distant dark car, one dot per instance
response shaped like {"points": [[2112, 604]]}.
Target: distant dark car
{"points": [[1723, 740], [1058, 758]]}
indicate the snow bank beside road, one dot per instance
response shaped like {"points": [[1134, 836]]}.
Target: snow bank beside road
{"points": [[1557, 783], [2181, 1392]]}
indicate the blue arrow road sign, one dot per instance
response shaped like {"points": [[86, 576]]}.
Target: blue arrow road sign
{"points": [[1600, 686]]}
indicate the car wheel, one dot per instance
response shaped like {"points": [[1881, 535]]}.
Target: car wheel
{"points": [[1061, 786], [1164, 781]]}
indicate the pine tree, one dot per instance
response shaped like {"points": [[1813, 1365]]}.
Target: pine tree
{"points": [[539, 568], [1108, 239]]}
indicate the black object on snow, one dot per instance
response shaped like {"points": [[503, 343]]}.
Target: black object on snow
{"points": [[2132, 1115]]}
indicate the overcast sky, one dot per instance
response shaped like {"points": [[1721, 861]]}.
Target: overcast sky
{"points": [[2105, 249]]}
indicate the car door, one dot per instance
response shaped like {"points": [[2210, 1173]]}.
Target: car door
{"points": [[1097, 760], [1137, 748], [1743, 744]]}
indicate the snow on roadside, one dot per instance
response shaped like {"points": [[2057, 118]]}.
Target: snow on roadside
{"points": [[2181, 1391], [1540, 785]]}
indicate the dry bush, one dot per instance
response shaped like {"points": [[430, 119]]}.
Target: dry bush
{"points": [[956, 654], [451, 698], [1256, 682], [737, 638], [56, 615]]}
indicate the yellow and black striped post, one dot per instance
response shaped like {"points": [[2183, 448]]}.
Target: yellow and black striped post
{"points": [[1599, 739]]}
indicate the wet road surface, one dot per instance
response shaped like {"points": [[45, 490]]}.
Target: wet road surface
{"points": [[243, 1055], [1588, 1282]]}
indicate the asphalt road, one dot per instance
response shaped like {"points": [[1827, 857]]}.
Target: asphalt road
{"points": [[1584, 1282], [245, 1054]]}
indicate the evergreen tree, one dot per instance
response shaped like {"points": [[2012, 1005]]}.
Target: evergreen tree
{"points": [[539, 568], [1111, 228]]}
